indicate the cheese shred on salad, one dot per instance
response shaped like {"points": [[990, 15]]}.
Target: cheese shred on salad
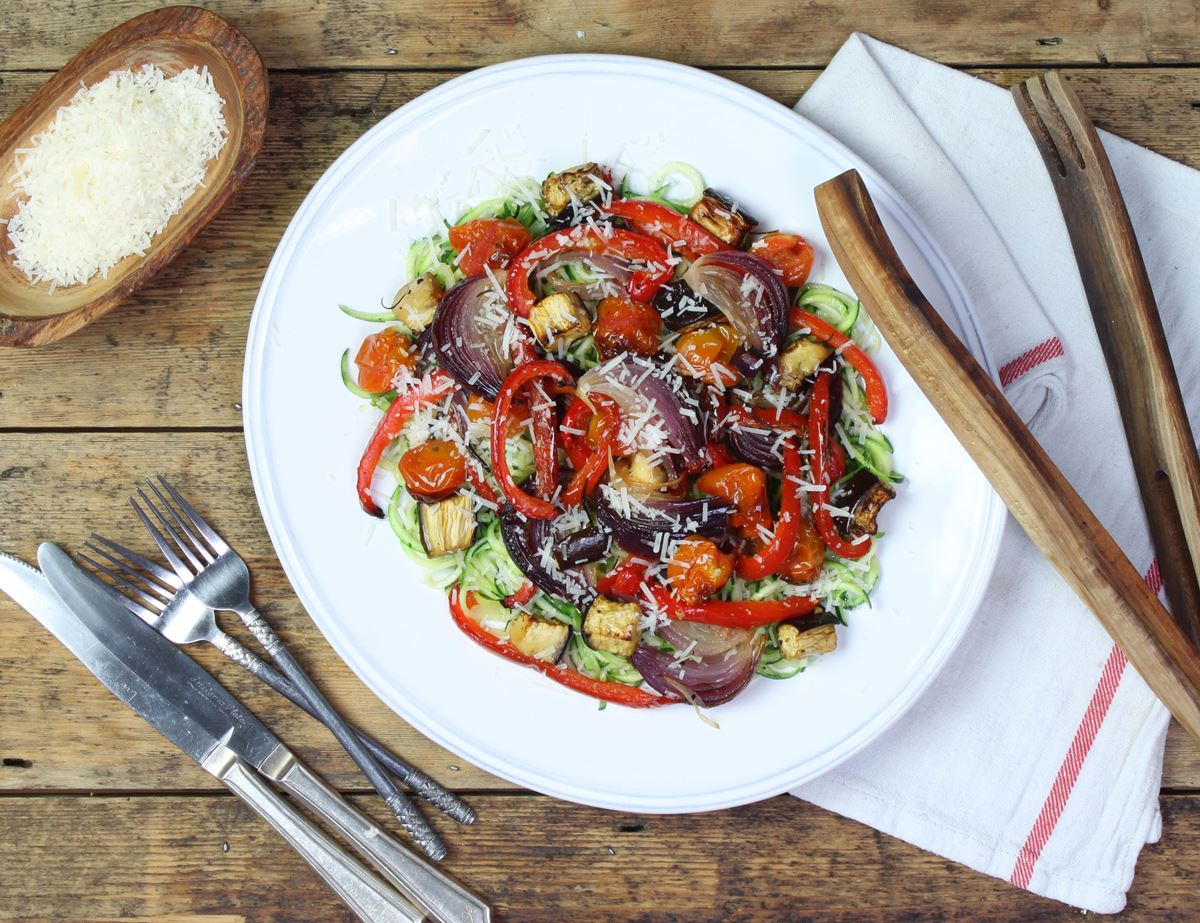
{"points": [[630, 438]]}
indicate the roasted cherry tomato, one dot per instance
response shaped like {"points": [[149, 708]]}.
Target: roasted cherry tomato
{"points": [[488, 242], [705, 353], [808, 556], [480, 409], [434, 469], [791, 254], [381, 357], [746, 487], [624, 326], [697, 569]]}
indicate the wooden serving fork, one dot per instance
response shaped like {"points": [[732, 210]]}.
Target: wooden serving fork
{"points": [[1130, 330], [1040, 498]]}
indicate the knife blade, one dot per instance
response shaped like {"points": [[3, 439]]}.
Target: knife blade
{"points": [[367, 895], [197, 713]]}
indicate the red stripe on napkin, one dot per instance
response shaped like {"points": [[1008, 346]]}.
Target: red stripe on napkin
{"points": [[1085, 736], [1043, 352]]}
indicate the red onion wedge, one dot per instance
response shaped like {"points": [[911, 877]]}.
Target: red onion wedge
{"points": [[658, 415], [644, 525], [530, 543], [713, 679], [749, 294], [475, 338]]}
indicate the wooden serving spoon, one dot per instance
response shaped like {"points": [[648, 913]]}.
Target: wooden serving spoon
{"points": [[174, 39], [1040, 498]]}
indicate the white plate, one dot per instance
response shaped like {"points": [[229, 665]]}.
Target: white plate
{"points": [[304, 434]]}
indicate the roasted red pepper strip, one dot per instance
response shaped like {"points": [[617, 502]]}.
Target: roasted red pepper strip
{"points": [[435, 386], [774, 554], [533, 507], [877, 398], [587, 476], [545, 442], [626, 581], [781, 416], [642, 285], [618, 693], [750, 613], [574, 432], [522, 596], [667, 226], [482, 487], [818, 443]]}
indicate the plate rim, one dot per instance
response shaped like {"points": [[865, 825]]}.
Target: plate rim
{"points": [[447, 94]]}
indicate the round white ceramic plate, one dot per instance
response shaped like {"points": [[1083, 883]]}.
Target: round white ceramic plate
{"points": [[304, 434]]}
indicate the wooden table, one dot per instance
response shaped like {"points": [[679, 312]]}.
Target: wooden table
{"points": [[102, 820]]}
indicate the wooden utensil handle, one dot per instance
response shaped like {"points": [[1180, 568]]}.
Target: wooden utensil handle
{"points": [[1130, 330], [1049, 510]]}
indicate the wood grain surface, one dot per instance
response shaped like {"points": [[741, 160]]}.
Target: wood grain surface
{"points": [[103, 820]]}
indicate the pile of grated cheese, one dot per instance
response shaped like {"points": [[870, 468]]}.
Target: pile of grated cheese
{"points": [[118, 161]]}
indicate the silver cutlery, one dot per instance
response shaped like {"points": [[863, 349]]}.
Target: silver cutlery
{"points": [[159, 598], [218, 577], [200, 717]]}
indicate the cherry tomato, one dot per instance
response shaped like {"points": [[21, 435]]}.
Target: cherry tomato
{"points": [[746, 487], [626, 326], [698, 569], [791, 254], [481, 409], [433, 470], [705, 353], [381, 356], [808, 556], [488, 242]]}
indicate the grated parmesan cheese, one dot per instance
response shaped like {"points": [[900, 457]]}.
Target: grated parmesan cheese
{"points": [[117, 163]]}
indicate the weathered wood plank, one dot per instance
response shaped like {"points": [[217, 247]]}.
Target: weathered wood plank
{"points": [[57, 719], [461, 33], [539, 861], [173, 356]]}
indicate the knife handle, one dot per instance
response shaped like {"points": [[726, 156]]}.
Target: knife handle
{"points": [[369, 898], [438, 894]]}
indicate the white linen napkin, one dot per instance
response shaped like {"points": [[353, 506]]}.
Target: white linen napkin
{"points": [[1036, 755]]}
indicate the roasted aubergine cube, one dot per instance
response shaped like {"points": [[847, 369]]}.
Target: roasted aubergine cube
{"points": [[447, 525], [864, 514], [613, 626], [795, 643], [721, 218], [578, 184], [415, 304], [799, 361], [541, 639], [559, 319]]}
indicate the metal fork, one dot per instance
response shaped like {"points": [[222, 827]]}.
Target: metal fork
{"points": [[159, 598], [218, 577]]}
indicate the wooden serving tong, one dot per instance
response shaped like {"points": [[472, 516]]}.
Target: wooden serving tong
{"points": [[1130, 331], [1036, 492]]}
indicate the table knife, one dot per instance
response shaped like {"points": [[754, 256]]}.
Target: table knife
{"points": [[191, 708]]}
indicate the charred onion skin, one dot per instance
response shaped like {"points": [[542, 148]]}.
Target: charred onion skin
{"points": [[644, 533]]}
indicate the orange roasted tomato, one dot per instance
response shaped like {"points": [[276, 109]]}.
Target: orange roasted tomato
{"points": [[381, 356], [705, 353], [433, 470], [626, 326], [480, 409], [808, 555], [698, 569], [746, 487], [488, 242], [791, 254]]}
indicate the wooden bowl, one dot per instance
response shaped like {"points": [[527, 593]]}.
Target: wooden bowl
{"points": [[174, 39]]}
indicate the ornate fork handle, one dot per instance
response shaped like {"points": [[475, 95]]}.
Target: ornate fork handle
{"points": [[414, 778], [400, 806]]}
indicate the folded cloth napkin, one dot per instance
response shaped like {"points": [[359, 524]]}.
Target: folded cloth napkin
{"points": [[1036, 755]]}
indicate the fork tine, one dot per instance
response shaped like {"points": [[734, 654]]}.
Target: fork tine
{"points": [[144, 583], [146, 615], [163, 545], [181, 545], [197, 543], [161, 574], [217, 543]]}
